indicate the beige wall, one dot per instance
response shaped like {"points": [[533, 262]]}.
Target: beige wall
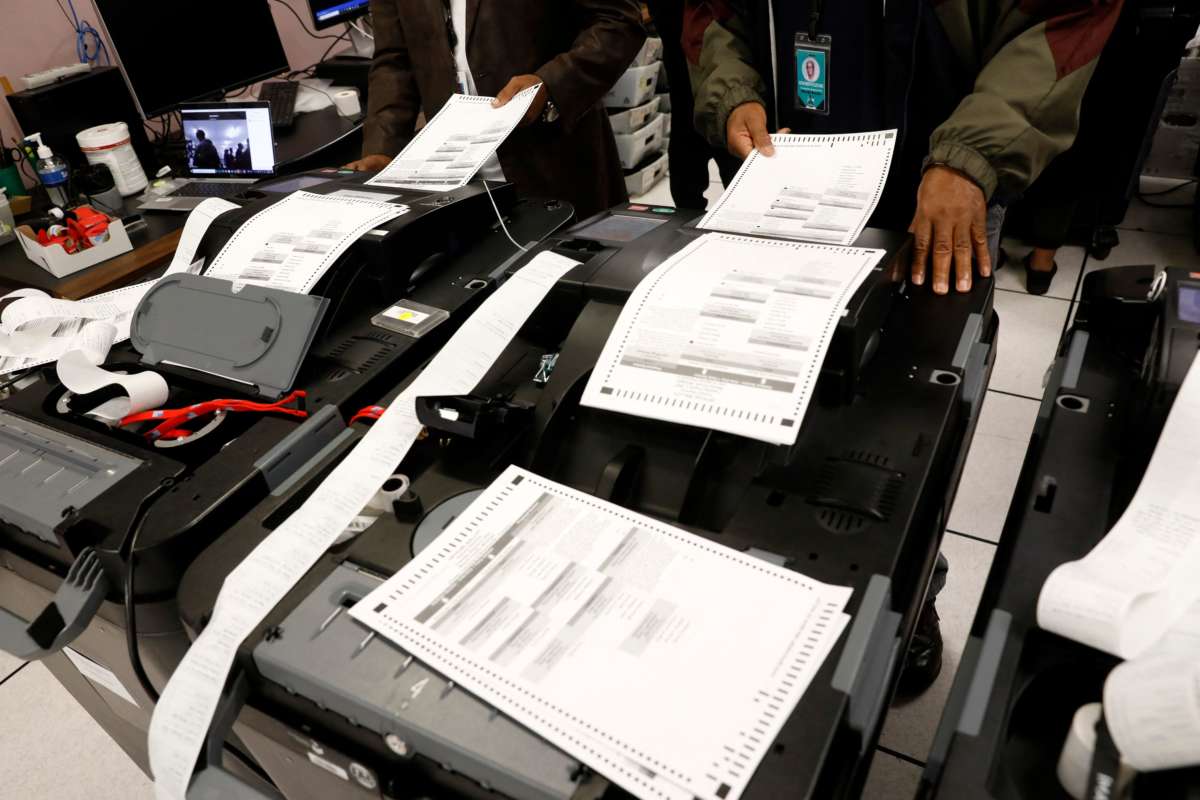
{"points": [[34, 35]]}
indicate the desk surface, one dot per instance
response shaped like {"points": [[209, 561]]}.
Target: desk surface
{"points": [[319, 138]]}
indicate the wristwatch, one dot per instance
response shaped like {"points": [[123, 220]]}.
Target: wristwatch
{"points": [[550, 112]]}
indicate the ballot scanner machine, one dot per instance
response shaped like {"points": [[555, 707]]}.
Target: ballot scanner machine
{"points": [[1118, 371], [73, 491], [332, 711]]}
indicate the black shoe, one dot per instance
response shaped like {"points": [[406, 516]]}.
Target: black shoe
{"points": [[923, 661], [1036, 281]]}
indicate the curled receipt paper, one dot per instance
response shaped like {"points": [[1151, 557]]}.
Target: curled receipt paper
{"points": [[1140, 580], [185, 711]]}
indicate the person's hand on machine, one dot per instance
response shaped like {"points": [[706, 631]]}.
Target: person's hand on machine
{"points": [[746, 131], [949, 228], [517, 85], [372, 163]]}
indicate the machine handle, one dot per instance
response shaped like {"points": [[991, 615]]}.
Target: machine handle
{"points": [[68, 615], [869, 659], [214, 782]]}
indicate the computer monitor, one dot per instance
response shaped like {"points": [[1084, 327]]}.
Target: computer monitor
{"points": [[327, 13], [174, 52], [228, 139]]}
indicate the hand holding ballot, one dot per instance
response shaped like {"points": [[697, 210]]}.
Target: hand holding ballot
{"points": [[517, 85]]}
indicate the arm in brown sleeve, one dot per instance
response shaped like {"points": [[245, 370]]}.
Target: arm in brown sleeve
{"points": [[610, 35], [393, 100]]}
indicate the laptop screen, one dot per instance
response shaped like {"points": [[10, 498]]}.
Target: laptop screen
{"points": [[228, 139]]}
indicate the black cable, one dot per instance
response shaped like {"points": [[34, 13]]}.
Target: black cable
{"points": [[128, 548], [301, 21], [65, 14], [129, 556]]}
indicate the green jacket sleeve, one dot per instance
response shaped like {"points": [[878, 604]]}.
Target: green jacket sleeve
{"points": [[725, 79], [1024, 109]]}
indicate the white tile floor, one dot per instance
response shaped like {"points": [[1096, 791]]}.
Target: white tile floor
{"points": [[56, 751]]}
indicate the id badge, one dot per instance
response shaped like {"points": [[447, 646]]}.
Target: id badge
{"points": [[812, 73]]}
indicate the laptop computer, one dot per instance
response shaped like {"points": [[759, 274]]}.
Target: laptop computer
{"points": [[229, 146]]}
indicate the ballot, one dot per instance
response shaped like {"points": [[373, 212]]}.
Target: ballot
{"points": [[666, 662], [1140, 580], [291, 244], [816, 188], [730, 334], [456, 143]]}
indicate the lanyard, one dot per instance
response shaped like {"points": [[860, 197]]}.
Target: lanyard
{"points": [[451, 36], [816, 9], [171, 420]]}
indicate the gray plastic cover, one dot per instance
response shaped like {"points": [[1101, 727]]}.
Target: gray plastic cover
{"points": [[44, 472], [255, 335], [330, 658]]}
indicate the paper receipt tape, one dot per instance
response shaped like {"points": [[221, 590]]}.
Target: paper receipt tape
{"points": [[347, 103], [182, 717], [255, 335]]}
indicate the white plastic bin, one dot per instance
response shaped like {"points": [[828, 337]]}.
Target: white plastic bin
{"points": [[632, 119], [634, 88], [651, 52], [639, 181], [633, 147]]}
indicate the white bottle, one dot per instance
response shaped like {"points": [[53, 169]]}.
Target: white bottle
{"points": [[53, 172], [7, 223]]}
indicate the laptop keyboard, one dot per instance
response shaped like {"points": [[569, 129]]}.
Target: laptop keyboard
{"points": [[209, 189]]}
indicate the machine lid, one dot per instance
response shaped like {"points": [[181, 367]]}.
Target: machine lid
{"points": [[249, 334]]}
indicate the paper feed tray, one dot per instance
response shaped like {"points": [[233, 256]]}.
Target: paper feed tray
{"points": [[251, 335]]}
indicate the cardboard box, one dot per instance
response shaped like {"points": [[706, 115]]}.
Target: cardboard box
{"points": [[60, 264]]}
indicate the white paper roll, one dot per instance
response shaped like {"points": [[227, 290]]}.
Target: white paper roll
{"points": [[392, 490], [347, 102], [1075, 762]]}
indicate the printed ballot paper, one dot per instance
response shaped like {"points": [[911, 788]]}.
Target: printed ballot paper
{"points": [[456, 143], [291, 244], [815, 188], [185, 710], [729, 334], [664, 661], [1141, 578]]}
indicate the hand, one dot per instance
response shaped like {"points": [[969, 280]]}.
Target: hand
{"points": [[746, 130], [518, 85], [951, 221], [369, 163]]}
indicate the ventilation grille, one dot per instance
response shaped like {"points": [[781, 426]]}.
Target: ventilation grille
{"points": [[855, 491]]}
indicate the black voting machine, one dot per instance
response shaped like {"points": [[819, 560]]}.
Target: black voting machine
{"points": [[1118, 372], [859, 500], [74, 493]]}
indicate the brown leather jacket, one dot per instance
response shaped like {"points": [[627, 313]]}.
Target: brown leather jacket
{"points": [[577, 47]]}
